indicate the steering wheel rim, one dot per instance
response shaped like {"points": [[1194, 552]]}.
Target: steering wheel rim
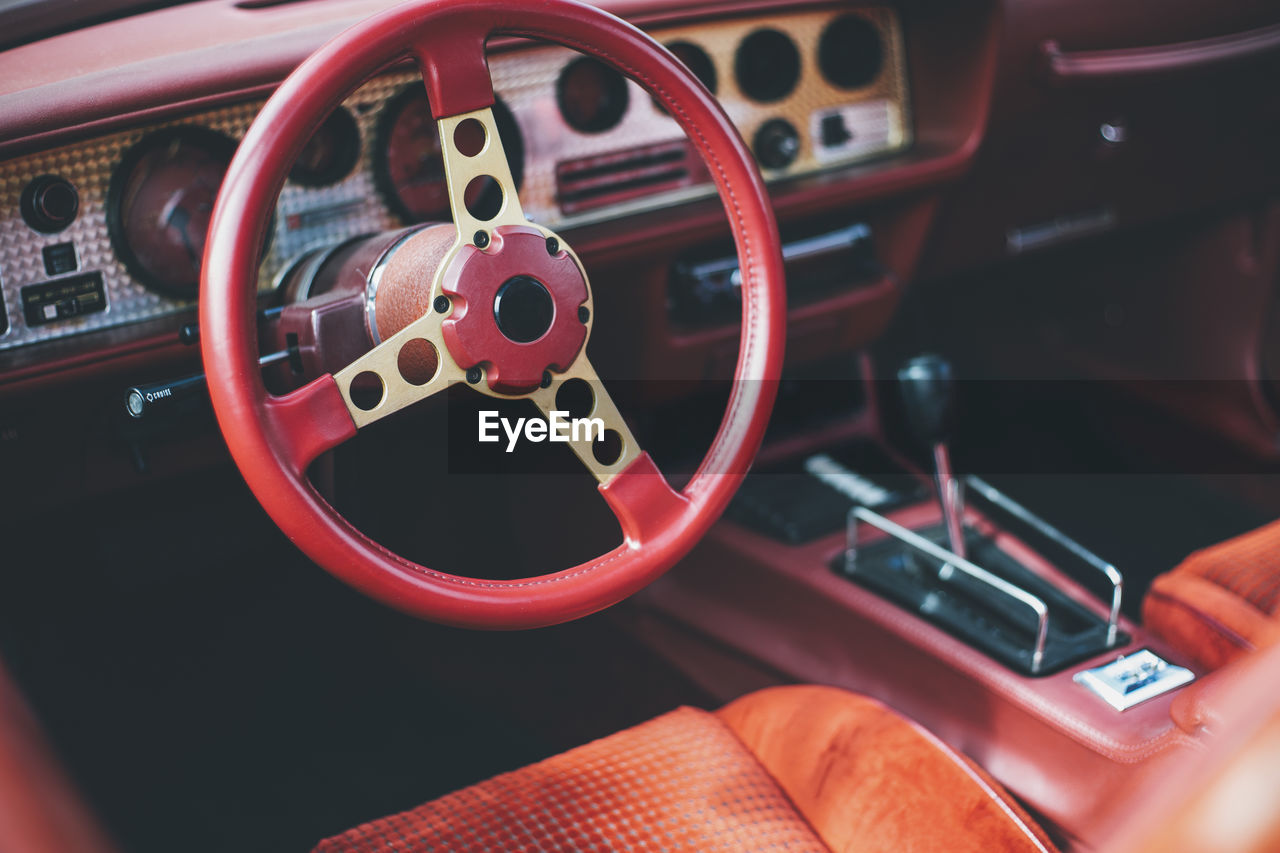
{"points": [[274, 439]]}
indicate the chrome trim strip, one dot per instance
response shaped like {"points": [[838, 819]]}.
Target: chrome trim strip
{"points": [[796, 250], [375, 277], [311, 266], [1055, 535], [1060, 230], [947, 558]]}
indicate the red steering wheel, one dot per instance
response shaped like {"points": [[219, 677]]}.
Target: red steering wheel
{"points": [[274, 438]]}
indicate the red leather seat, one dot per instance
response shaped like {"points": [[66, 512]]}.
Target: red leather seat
{"points": [[1221, 602], [789, 768]]}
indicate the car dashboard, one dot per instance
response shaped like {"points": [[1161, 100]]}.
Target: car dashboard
{"points": [[1075, 201], [945, 144], [109, 231]]}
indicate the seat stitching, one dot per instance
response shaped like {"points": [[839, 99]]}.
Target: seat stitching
{"points": [[472, 582]]}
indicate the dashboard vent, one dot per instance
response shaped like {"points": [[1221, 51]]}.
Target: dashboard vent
{"points": [[622, 176]]}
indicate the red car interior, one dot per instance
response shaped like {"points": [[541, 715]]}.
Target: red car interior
{"points": [[932, 346]]}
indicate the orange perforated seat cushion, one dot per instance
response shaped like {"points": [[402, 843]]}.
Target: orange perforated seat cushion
{"points": [[693, 781], [681, 782], [1222, 601]]}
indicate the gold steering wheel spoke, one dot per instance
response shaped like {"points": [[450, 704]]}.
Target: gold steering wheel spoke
{"points": [[390, 377], [398, 372], [398, 375], [583, 440], [473, 151]]}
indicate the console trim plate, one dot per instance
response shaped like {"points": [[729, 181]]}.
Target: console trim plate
{"points": [[1133, 679]]}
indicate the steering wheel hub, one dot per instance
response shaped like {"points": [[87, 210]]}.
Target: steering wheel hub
{"points": [[515, 308]]}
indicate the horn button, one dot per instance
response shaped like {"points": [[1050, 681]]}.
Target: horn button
{"points": [[524, 309], [515, 309]]}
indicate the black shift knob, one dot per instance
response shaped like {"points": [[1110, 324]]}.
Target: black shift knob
{"points": [[928, 396]]}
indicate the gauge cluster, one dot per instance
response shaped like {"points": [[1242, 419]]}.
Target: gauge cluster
{"points": [[409, 169], [159, 203], [111, 230]]}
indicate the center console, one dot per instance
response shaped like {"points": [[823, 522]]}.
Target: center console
{"points": [[947, 600]]}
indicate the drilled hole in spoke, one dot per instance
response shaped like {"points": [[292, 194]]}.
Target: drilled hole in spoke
{"points": [[367, 390], [483, 197], [418, 361], [469, 137], [575, 398], [607, 450]]}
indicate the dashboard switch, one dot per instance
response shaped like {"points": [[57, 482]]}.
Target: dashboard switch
{"points": [[777, 143], [60, 258], [63, 298], [834, 131], [853, 130]]}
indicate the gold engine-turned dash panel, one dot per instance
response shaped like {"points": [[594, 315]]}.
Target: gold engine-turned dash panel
{"points": [[808, 92]]}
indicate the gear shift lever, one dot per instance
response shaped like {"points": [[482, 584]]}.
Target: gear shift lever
{"points": [[928, 395]]}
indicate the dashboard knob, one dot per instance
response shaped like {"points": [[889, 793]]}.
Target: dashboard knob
{"points": [[49, 204], [777, 143]]}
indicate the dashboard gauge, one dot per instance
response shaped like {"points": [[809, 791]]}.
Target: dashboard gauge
{"points": [[159, 204], [331, 153], [767, 65], [850, 53], [408, 167], [592, 96], [697, 61]]}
